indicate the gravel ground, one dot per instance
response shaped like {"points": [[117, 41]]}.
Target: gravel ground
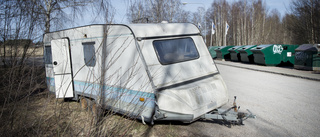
{"points": [[285, 106]]}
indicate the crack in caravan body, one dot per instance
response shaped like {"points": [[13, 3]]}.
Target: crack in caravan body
{"points": [[151, 72]]}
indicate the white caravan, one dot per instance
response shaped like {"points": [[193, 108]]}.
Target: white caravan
{"points": [[149, 71]]}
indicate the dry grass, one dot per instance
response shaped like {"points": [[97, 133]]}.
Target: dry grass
{"points": [[36, 112], [44, 115], [31, 52], [27, 108]]}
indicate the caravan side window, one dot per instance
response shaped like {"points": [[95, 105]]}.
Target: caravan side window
{"points": [[48, 55], [89, 54], [171, 51]]}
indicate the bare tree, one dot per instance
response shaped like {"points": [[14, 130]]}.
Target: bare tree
{"points": [[137, 12], [249, 21], [183, 16], [219, 14], [274, 28], [21, 23], [18, 21], [259, 12], [304, 21], [198, 18], [155, 11], [53, 10], [288, 36]]}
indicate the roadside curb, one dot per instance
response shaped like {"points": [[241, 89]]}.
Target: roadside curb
{"points": [[272, 72]]}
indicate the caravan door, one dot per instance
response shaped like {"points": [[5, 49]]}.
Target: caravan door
{"points": [[62, 68]]}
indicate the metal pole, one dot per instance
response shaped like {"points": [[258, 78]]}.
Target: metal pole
{"points": [[211, 39], [225, 38], [225, 35]]}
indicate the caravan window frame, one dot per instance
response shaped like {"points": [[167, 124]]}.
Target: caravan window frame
{"points": [[175, 59], [91, 60], [48, 58]]}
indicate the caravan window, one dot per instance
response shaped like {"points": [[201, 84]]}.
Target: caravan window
{"points": [[89, 54], [48, 55], [175, 50]]}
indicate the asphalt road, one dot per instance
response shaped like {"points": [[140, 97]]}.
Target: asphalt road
{"points": [[285, 106]]}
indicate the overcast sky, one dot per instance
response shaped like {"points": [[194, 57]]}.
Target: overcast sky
{"points": [[121, 7]]}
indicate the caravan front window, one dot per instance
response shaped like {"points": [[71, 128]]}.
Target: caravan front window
{"points": [[171, 51]]}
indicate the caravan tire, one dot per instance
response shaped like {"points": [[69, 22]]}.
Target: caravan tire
{"points": [[96, 111], [94, 108], [84, 103]]}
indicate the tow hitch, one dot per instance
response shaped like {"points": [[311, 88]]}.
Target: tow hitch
{"points": [[230, 115]]}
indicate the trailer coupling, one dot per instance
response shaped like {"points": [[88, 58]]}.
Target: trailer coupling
{"points": [[230, 115]]}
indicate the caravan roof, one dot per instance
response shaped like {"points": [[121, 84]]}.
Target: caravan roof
{"points": [[163, 29], [150, 30]]}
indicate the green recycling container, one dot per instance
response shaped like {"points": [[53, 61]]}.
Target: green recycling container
{"points": [[316, 60], [273, 54], [289, 53], [234, 53], [304, 56], [245, 54], [222, 52], [212, 51]]}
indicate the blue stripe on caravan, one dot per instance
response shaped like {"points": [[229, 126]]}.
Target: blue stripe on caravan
{"points": [[50, 84], [127, 95], [96, 87], [50, 80], [116, 93]]}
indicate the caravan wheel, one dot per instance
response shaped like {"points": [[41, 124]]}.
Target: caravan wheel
{"points": [[84, 103], [94, 108]]}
